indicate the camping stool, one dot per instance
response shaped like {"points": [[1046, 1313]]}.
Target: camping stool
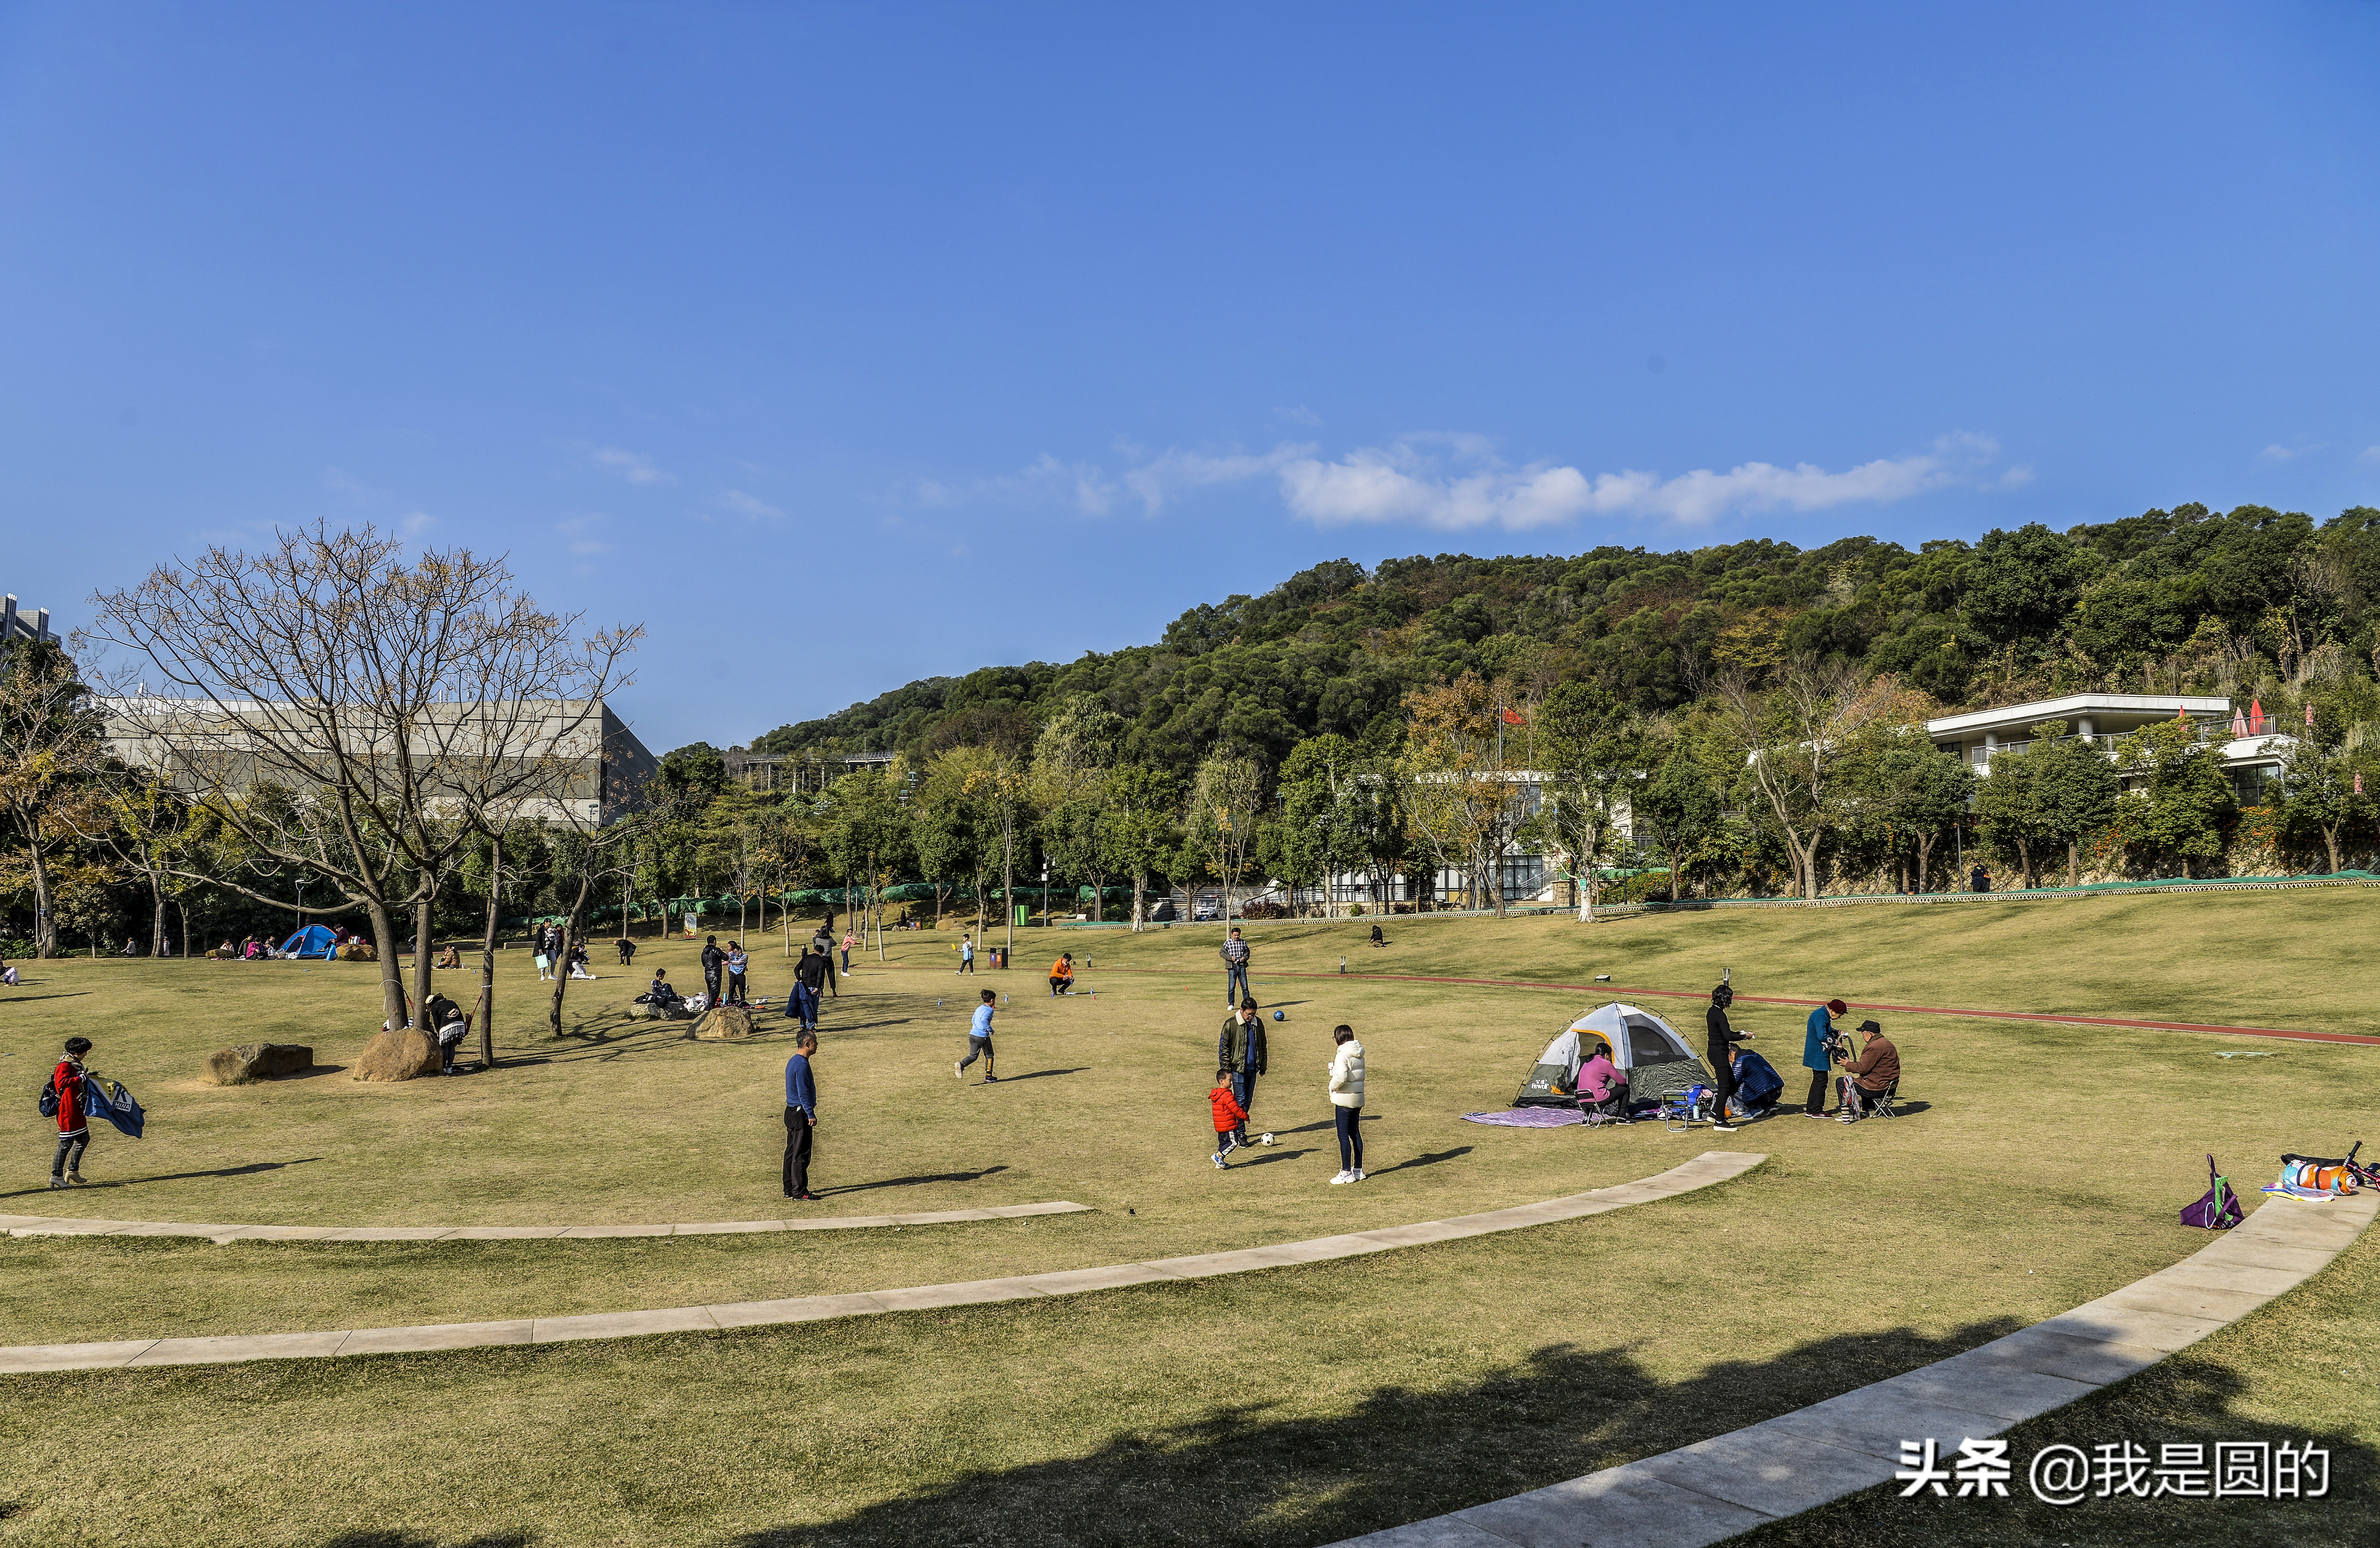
{"points": [[1880, 1104], [1683, 1111]]}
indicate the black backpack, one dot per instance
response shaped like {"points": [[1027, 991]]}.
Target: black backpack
{"points": [[49, 1099]]}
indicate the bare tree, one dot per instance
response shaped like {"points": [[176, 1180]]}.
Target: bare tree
{"points": [[1460, 802], [1223, 816], [349, 711], [1800, 741], [591, 852]]}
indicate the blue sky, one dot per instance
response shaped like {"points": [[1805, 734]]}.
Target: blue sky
{"points": [[841, 345]]}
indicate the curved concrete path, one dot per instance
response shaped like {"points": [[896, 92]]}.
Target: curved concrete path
{"points": [[57, 1225], [1711, 1166], [1714, 1489]]}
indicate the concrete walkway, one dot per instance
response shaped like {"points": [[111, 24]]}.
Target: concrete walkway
{"points": [[1712, 1166], [1715, 1489], [53, 1226]]}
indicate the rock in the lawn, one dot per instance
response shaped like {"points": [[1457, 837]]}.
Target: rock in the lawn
{"points": [[258, 1061], [640, 1010], [730, 1022], [398, 1056]]}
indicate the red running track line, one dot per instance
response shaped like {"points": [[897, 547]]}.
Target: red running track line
{"points": [[2288, 1032]]}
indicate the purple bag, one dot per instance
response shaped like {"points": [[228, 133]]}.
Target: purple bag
{"points": [[2219, 1210]]}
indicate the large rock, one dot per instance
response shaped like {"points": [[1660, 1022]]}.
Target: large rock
{"points": [[398, 1056], [729, 1023], [258, 1061]]}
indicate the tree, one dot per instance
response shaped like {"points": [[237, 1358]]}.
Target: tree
{"points": [[1461, 802], [588, 851], [1801, 742], [1914, 793], [147, 828], [1677, 810], [2078, 786], [1593, 755], [50, 754], [2022, 584], [1221, 823], [1317, 835], [358, 715], [867, 835], [2011, 808], [2185, 797], [2324, 777], [944, 833], [1138, 828]]}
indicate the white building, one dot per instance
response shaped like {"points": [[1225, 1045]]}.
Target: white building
{"points": [[2251, 744]]}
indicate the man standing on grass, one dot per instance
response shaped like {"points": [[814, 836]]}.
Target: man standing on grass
{"points": [[801, 1116], [714, 962], [1235, 971], [1241, 1050], [810, 977], [1813, 1054], [1723, 1038]]}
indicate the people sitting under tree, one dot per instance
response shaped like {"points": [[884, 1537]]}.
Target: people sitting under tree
{"points": [[665, 1000], [1874, 1073], [451, 957]]}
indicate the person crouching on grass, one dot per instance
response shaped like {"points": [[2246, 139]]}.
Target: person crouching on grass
{"points": [[1061, 974], [74, 1128], [1229, 1117]]}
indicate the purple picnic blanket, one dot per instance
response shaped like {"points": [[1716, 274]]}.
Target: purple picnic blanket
{"points": [[1528, 1117]]}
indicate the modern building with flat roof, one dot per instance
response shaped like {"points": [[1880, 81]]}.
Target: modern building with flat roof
{"points": [[2250, 753]]}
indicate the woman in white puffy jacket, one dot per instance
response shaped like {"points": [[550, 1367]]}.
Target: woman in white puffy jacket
{"points": [[1347, 1102]]}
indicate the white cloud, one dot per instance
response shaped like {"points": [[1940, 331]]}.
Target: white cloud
{"points": [[2370, 454], [1299, 415], [338, 480], [414, 523], [2277, 453], [1470, 487], [634, 467], [580, 530], [745, 505], [1043, 482], [1173, 472]]}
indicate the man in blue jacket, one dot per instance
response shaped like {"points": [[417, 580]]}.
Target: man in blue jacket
{"points": [[801, 1116], [1814, 1054]]}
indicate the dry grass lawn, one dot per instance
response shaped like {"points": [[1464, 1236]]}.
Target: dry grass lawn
{"points": [[1289, 1407]]}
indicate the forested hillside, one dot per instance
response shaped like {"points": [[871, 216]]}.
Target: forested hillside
{"points": [[2164, 601]]}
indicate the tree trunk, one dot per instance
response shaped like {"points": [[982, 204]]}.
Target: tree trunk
{"points": [[422, 963], [2330, 843], [2073, 863], [1008, 887], [1139, 895], [184, 909], [45, 924], [570, 935], [157, 915], [391, 971], [1583, 878], [484, 1015]]}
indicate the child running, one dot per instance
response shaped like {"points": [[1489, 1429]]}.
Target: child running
{"points": [[1229, 1117], [979, 1040]]}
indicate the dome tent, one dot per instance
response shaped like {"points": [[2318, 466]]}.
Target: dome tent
{"points": [[314, 941], [1645, 1048]]}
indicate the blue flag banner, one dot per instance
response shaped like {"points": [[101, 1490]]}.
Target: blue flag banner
{"points": [[112, 1099]]}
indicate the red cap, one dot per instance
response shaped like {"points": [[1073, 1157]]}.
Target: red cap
{"points": [[1838, 1008]]}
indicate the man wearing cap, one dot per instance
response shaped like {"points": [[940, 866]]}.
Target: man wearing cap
{"points": [[1723, 1038], [1814, 1054], [1871, 1075]]}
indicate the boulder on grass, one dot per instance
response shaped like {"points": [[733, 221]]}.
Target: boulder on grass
{"points": [[403, 1054], [640, 1010], [258, 1061], [731, 1023]]}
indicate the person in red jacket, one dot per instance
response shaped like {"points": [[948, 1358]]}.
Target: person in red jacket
{"points": [[1229, 1117], [74, 1128]]}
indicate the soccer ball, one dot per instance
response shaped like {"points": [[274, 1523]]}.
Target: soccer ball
{"points": [[1281, 1016], [1264, 1138]]}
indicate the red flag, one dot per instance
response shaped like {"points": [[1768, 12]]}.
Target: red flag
{"points": [[2256, 717], [1513, 717]]}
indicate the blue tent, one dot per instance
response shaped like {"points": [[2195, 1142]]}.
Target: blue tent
{"points": [[315, 940]]}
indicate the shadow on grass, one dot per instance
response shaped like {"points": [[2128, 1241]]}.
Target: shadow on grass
{"points": [[1043, 1074], [252, 1166], [912, 1182], [68, 994], [1248, 1477], [400, 1537], [1327, 1123], [1271, 1156], [1432, 1158]]}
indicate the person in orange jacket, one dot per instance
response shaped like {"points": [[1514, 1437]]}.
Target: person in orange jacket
{"points": [[1229, 1117], [1061, 974]]}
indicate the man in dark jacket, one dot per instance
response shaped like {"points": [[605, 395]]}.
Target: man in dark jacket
{"points": [[809, 976], [1241, 1050], [801, 1116], [714, 963], [1722, 1052], [823, 943]]}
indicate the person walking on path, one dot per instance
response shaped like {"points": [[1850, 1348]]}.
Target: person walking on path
{"points": [[966, 954], [979, 1040], [1230, 1120], [714, 965], [1061, 974], [849, 941], [738, 964], [809, 976], [1723, 1038], [1235, 969], [1241, 1050], [1814, 1054], [1347, 1102], [74, 1127], [801, 1115]]}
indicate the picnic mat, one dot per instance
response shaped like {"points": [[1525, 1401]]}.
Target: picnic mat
{"points": [[1528, 1117]]}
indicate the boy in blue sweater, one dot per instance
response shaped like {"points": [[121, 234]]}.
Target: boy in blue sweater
{"points": [[979, 1040], [801, 1116]]}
